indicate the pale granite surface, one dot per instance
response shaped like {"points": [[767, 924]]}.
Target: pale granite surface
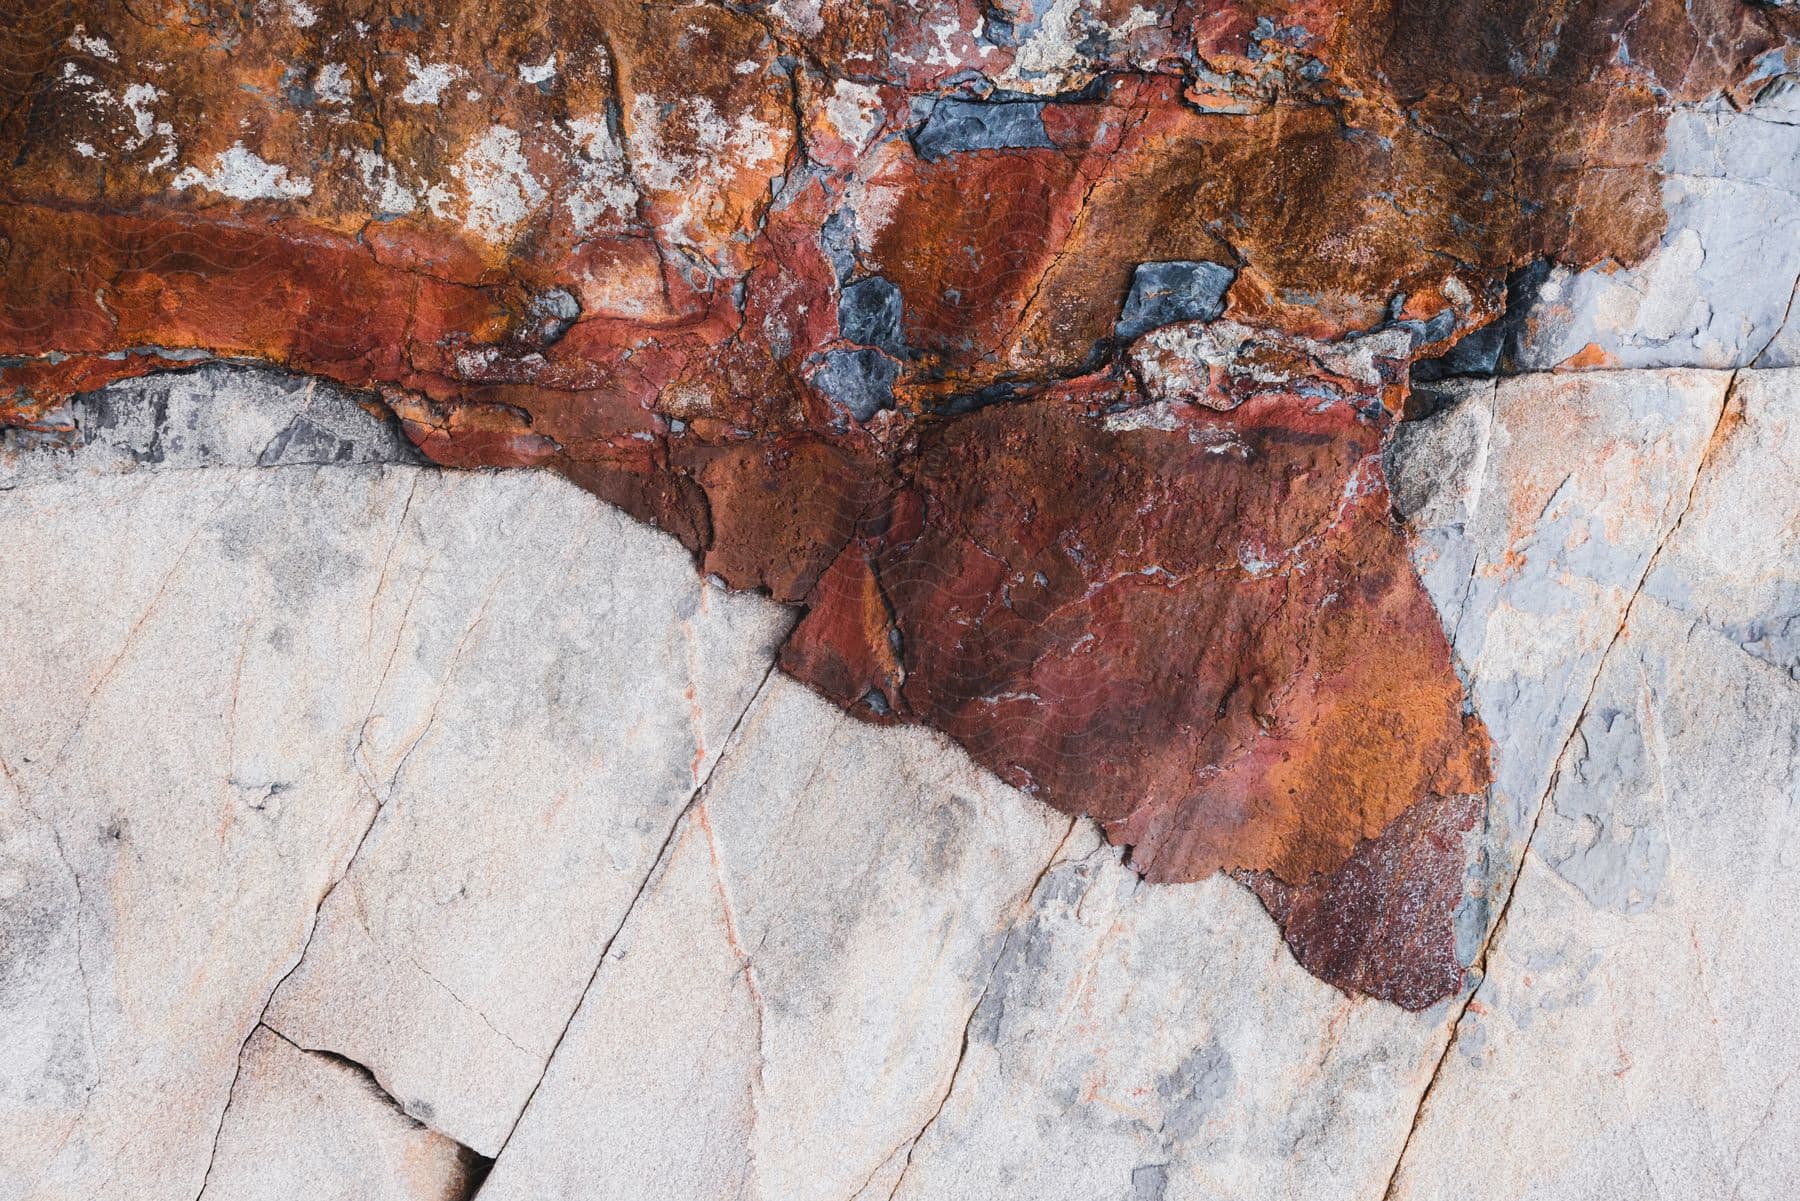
{"points": [[362, 823], [302, 1124]]}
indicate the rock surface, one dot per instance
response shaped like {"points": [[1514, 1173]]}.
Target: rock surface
{"points": [[818, 957], [1346, 445], [1718, 291], [839, 894], [810, 285]]}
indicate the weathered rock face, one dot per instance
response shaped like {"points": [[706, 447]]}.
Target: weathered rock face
{"points": [[301, 885], [1043, 353]]}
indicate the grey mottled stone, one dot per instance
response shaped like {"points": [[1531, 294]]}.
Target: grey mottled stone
{"points": [[1635, 1028], [1720, 290], [956, 126], [859, 382], [869, 312], [1164, 293], [212, 416]]}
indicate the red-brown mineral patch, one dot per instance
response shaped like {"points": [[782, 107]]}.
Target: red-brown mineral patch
{"points": [[1042, 354]]}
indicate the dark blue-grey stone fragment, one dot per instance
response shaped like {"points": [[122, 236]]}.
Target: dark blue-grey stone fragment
{"points": [[1491, 350], [1164, 293], [552, 312], [956, 126], [869, 313], [1424, 333], [861, 382], [837, 238]]}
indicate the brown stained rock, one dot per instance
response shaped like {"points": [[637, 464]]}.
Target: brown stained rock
{"points": [[1156, 583], [1168, 628], [1377, 925]]}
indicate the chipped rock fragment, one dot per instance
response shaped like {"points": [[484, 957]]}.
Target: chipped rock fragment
{"points": [[300, 1117], [1164, 293], [959, 126]]}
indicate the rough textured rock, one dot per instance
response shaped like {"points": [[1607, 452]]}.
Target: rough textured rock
{"points": [[1091, 383], [612, 239], [1719, 289], [1034, 585]]}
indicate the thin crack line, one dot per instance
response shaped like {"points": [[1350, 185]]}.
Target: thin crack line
{"points": [[657, 867], [728, 911], [1479, 964], [1025, 908]]}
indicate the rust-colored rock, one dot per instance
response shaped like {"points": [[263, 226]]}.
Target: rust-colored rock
{"points": [[1162, 619], [832, 291], [1377, 924]]}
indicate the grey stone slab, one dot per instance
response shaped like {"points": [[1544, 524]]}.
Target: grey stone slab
{"points": [[1634, 1031], [217, 675]]}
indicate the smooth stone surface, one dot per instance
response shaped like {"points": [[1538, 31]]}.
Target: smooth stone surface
{"points": [[787, 1003], [215, 676], [568, 686], [308, 1125], [1158, 1041], [175, 647]]}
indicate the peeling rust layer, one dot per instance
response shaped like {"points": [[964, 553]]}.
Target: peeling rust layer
{"points": [[1043, 357]]}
